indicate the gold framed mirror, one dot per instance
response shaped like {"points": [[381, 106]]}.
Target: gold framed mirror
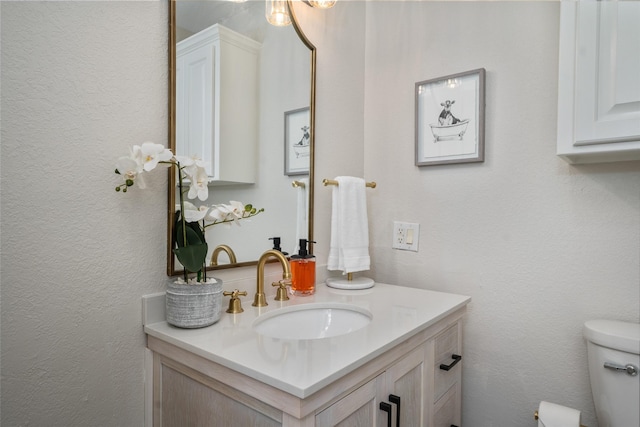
{"points": [[285, 85]]}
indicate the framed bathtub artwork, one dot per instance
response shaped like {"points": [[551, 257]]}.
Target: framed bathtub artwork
{"points": [[297, 142], [449, 121]]}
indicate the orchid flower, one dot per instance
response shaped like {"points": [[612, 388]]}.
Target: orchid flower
{"points": [[130, 170], [152, 154], [190, 246], [228, 213], [193, 213], [237, 208], [232, 212], [216, 215], [191, 164], [199, 184]]}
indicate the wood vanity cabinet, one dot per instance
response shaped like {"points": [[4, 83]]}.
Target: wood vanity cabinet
{"points": [[189, 390]]}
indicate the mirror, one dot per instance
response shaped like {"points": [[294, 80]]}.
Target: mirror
{"points": [[283, 99]]}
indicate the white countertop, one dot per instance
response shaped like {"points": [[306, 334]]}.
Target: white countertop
{"points": [[302, 367]]}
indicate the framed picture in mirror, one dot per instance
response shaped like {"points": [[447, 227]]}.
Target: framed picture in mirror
{"points": [[297, 142], [450, 119]]}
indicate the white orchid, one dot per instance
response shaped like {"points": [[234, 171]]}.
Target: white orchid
{"points": [[235, 210], [151, 154], [216, 214], [193, 213], [232, 212], [199, 184], [191, 165], [225, 213], [130, 171], [194, 169], [189, 245]]}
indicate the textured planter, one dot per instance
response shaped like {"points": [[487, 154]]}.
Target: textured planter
{"points": [[193, 305]]}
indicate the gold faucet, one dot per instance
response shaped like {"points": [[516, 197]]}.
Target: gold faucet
{"points": [[227, 250], [260, 300]]}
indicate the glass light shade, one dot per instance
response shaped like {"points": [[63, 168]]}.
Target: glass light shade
{"points": [[452, 83], [277, 13], [322, 4]]}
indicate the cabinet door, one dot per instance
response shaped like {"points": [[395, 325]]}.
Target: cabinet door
{"points": [[447, 409], [185, 400], [598, 86], [358, 409], [447, 387], [194, 103], [407, 380]]}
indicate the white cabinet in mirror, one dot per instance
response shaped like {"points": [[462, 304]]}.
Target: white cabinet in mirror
{"points": [[217, 103]]}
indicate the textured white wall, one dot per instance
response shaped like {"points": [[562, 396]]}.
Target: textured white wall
{"points": [[81, 82], [540, 245], [338, 34]]}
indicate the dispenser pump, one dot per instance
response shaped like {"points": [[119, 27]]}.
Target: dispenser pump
{"points": [[276, 245], [302, 249]]}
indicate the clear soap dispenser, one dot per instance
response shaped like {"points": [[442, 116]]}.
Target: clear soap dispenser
{"points": [[303, 271]]}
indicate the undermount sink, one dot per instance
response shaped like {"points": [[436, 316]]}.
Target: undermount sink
{"points": [[312, 321]]}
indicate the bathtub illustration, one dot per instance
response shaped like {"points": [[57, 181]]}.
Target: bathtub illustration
{"points": [[454, 131], [301, 150]]}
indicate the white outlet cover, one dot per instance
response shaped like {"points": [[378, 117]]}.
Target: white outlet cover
{"points": [[402, 231]]}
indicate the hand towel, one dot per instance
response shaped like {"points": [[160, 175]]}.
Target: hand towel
{"points": [[349, 250], [302, 209]]}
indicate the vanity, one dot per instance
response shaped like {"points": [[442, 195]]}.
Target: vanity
{"points": [[403, 361]]}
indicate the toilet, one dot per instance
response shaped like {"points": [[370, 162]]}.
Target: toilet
{"points": [[613, 351]]}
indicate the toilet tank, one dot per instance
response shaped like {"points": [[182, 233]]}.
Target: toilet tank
{"points": [[616, 392]]}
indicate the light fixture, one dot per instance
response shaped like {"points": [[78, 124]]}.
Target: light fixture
{"points": [[277, 13], [452, 83], [322, 4]]}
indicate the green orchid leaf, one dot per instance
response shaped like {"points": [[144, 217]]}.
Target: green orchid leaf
{"points": [[197, 230], [191, 253], [192, 257], [194, 234]]}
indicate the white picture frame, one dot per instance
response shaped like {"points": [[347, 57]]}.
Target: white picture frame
{"points": [[297, 142]]}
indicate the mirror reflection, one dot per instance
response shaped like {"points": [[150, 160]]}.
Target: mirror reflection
{"points": [[242, 103]]}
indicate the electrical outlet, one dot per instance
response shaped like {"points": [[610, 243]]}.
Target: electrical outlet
{"points": [[405, 236]]}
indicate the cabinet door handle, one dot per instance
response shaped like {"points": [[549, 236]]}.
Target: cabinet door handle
{"points": [[384, 406], [456, 358], [396, 399]]}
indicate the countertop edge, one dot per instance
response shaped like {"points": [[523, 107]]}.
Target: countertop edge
{"points": [[153, 326]]}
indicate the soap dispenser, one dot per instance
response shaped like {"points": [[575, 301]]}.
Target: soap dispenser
{"points": [[276, 245], [303, 271]]}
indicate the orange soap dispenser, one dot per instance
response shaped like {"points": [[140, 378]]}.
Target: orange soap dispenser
{"points": [[303, 271]]}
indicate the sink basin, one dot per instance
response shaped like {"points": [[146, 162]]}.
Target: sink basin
{"points": [[312, 321]]}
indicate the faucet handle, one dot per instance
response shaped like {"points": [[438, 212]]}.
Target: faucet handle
{"points": [[235, 305], [281, 293]]}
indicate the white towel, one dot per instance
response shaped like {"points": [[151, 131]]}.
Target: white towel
{"points": [[349, 249], [302, 209]]}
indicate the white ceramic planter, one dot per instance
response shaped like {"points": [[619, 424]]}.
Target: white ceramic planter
{"points": [[193, 305]]}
